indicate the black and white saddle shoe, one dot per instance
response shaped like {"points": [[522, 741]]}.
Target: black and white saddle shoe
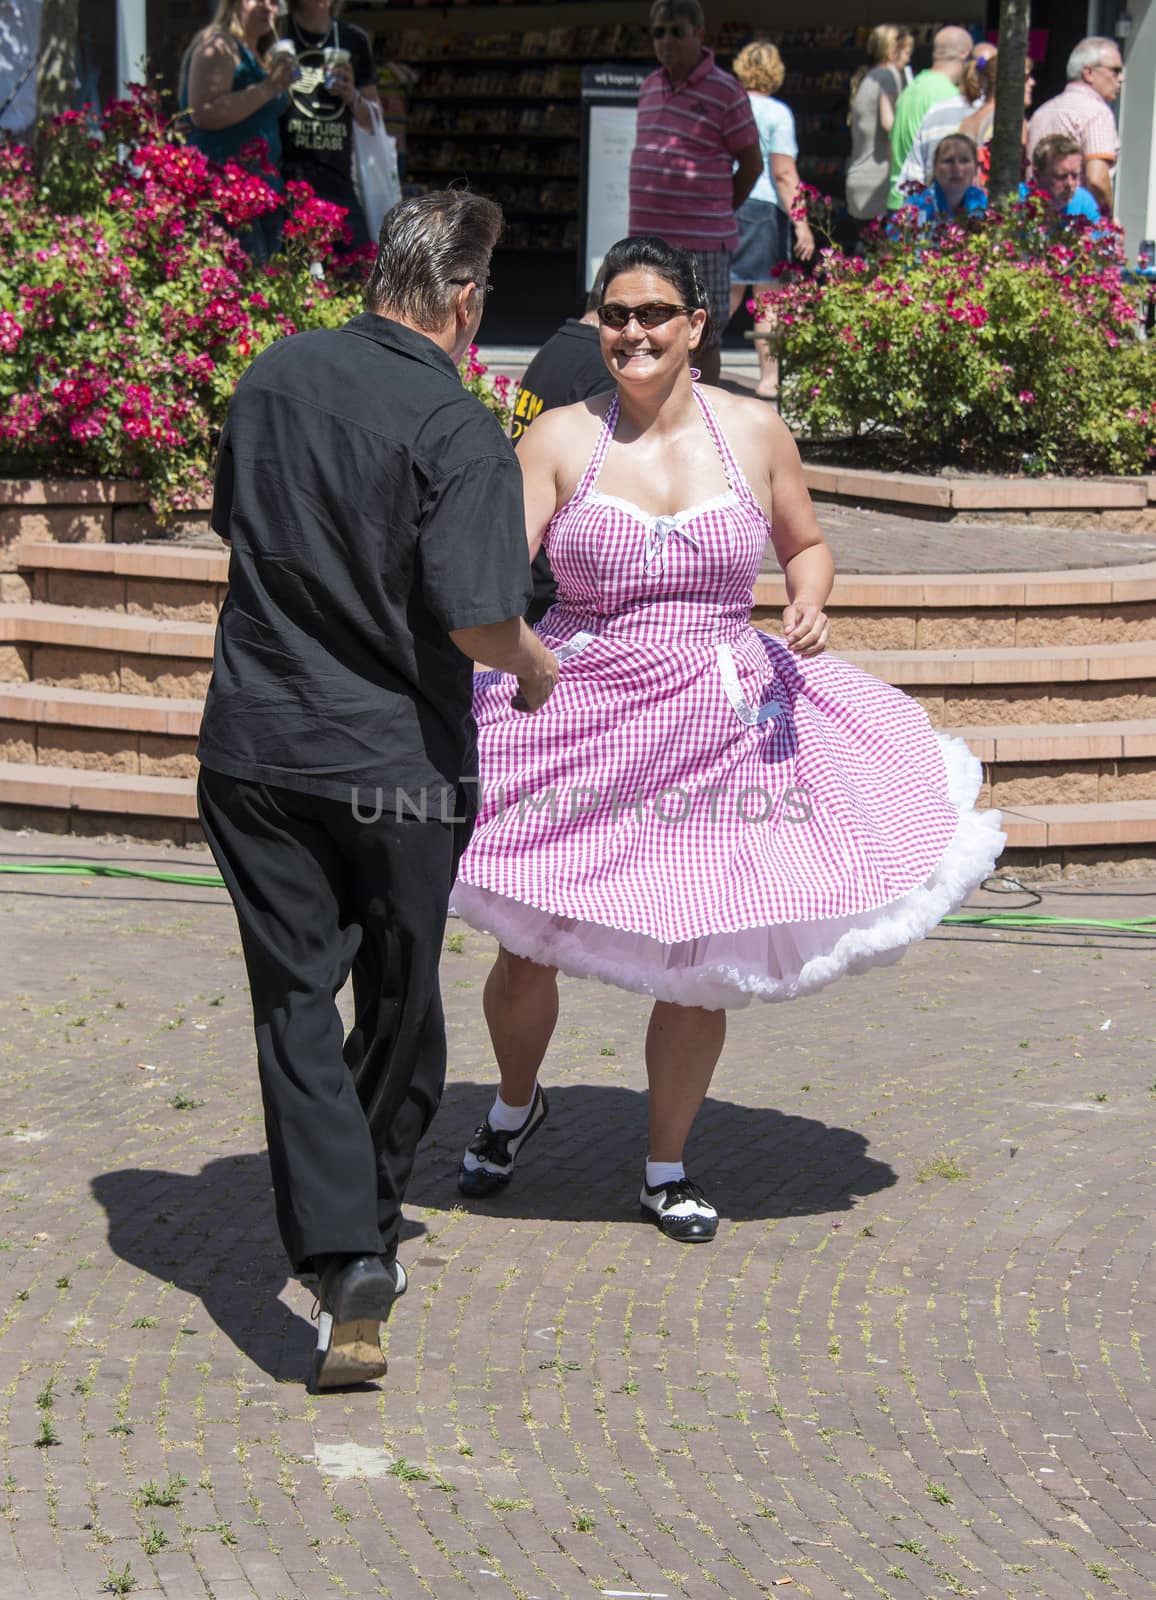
{"points": [[680, 1210], [355, 1295], [488, 1163]]}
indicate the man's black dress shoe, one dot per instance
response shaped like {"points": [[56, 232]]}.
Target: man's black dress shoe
{"points": [[356, 1295]]}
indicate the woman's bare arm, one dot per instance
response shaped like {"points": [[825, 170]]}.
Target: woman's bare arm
{"points": [[540, 456], [213, 102], [769, 458]]}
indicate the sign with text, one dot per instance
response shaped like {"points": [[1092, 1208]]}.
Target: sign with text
{"points": [[609, 102]]}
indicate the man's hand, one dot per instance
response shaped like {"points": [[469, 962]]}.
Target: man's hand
{"points": [[535, 688], [339, 81], [514, 648], [1098, 179]]}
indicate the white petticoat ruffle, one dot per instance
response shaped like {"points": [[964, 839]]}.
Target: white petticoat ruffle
{"points": [[729, 970]]}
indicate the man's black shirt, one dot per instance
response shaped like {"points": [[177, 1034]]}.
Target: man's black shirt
{"points": [[568, 368], [372, 505]]}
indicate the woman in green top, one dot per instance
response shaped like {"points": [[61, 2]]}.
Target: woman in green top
{"points": [[233, 92]]}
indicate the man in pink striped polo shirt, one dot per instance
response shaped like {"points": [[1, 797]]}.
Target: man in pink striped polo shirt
{"points": [[694, 124]]}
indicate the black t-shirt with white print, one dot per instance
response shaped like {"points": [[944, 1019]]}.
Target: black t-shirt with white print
{"points": [[317, 127]]}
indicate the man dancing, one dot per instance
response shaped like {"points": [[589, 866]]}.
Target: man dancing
{"points": [[337, 746]]}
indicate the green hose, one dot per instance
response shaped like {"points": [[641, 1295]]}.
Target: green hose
{"points": [[1025, 921], [95, 869]]}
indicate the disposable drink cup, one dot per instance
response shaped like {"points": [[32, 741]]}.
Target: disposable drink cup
{"points": [[333, 57]]}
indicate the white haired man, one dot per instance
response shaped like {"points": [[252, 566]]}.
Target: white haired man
{"points": [[1084, 112]]}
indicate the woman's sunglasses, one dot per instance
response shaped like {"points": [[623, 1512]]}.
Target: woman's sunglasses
{"points": [[652, 315]]}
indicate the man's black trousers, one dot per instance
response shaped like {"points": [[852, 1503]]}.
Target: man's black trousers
{"points": [[319, 893]]}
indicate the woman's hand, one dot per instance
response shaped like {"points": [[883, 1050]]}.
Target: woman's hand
{"points": [[804, 241], [282, 71], [805, 627], [339, 81]]}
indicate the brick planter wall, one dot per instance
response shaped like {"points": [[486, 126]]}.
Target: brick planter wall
{"points": [[78, 511]]}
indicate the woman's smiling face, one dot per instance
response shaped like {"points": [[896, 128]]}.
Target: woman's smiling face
{"points": [[634, 353]]}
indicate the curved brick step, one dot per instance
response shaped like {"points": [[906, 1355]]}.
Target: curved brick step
{"points": [[1034, 764], [48, 725], [1077, 663], [1059, 827], [1061, 684], [76, 800], [104, 650], [1008, 610]]}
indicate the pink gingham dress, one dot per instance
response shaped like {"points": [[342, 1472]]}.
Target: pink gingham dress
{"points": [[697, 814]]}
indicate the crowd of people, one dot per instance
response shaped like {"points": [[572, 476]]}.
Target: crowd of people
{"points": [[715, 163], [927, 142]]}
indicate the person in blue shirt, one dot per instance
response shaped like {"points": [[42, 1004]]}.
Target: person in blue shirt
{"points": [[767, 239], [1057, 165], [954, 192]]}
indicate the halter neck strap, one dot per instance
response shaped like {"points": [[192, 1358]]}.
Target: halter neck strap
{"points": [[594, 466], [734, 473]]}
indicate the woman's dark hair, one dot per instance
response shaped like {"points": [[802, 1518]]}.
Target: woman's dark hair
{"points": [[645, 251]]}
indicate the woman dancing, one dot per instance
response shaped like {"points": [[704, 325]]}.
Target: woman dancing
{"points": [[701, 813]]}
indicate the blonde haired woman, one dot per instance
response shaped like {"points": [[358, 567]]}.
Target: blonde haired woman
{"points": [[874, 91], [764, 219], [234, 92]]}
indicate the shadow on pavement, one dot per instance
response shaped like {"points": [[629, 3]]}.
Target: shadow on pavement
{"points": [[586, 1161], [212, 1234]]}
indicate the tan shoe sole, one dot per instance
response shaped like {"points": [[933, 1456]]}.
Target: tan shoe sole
{"points": [[352, 1356]]}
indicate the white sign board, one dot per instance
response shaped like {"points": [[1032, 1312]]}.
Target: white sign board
{"points": [[611, 142]]}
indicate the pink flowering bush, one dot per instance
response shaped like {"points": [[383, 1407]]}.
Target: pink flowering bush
{"points": [[128, 310], [496, 393], [1004, 345]]}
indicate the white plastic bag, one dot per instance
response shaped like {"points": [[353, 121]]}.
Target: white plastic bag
{"points": [[375, 170]]}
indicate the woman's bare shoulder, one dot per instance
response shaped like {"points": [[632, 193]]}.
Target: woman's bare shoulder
{"points": [[743, 417], [562, 426], [215, 45]]}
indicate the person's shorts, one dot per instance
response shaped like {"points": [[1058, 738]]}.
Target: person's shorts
{"points": [[713, 268], [764, 242]]}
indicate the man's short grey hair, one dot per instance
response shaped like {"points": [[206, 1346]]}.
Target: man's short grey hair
{"points": [[1088, 53], [429, 247], [677, 11]]}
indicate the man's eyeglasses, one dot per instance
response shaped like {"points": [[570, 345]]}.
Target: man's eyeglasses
{"points": [[652, 315], [482, 289], [676, 30], [1117, 72]]}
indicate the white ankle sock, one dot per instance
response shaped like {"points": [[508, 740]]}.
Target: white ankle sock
{"points": [[508, 1119], [663, 1172]]}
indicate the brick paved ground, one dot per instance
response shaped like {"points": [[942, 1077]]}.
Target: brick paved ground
{"points": [[916, 1362]]}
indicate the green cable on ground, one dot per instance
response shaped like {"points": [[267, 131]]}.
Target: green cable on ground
{"points": [[1013, 919], [1023, 920], [99, 869]]}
